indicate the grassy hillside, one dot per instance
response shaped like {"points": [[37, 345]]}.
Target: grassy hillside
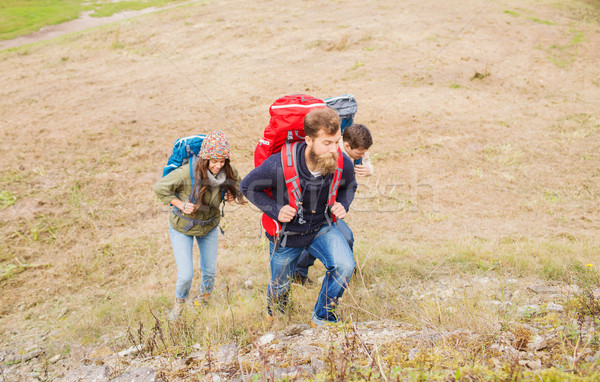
{"points": [[485, 121]]}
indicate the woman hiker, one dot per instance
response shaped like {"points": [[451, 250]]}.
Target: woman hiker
{"points": [[196, 215]]}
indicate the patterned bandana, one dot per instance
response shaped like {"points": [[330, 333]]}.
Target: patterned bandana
{"points": [[214, 146]]}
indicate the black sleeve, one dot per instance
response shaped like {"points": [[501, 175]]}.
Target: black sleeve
{"points": [[264, 177]]}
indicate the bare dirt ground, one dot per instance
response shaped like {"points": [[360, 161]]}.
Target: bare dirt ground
{"points": [[484, 116]]}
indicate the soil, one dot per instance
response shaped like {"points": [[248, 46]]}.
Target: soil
{"points": [[484, 116]]}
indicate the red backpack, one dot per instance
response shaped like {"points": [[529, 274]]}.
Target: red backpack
{"points": [[286, 127]]}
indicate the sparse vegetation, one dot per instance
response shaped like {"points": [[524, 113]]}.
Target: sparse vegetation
{"points": [[477, 236], [19, 17]]}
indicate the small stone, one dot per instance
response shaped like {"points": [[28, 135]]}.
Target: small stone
{"points": [[412, 354], [538, 343], [552, 307], [293, 330], [302, 353], [131, 351], [143, 374], [227, 354], [32, 354], [54, 359], [528, 310], [543, 289], [317, 364], [88, 373], [532, 365], [267, 338], [248, 284]]}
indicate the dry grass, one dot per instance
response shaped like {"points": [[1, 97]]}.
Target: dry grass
{"points": [[496, 179]]}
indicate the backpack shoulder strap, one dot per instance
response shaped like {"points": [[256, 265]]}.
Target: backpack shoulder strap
{"points": [[337, 177], [290, 172], [192, 164]]}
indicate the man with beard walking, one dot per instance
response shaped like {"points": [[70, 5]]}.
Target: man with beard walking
{"points": [[309, 226]]}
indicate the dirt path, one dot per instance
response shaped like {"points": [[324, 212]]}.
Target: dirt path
{"points": [[85, 21]]}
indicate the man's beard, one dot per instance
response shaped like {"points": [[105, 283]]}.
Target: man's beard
{"points": [[324, 165]]}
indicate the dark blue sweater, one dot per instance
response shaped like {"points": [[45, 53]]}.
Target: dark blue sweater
{"points": [[314, 194]]}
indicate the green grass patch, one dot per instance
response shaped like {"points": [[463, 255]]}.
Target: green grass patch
{"points": [[7, 199], [512, 13], [577, 38], [540, 21], [20, 17]]}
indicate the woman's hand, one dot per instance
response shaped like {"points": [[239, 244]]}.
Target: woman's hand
{"points": [[229, 197], [188, 208], [185, 207]]}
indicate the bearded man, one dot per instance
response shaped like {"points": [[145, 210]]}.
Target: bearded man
{"points": [[308, 227]]}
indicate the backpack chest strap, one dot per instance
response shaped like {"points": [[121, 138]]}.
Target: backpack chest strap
{"points": [[192, 222]]}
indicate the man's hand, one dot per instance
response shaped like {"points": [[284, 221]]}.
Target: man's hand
{"points": [[338, 210], [286, 214], [362, 170]]}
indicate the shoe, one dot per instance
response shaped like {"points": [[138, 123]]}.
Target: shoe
{"points": [[202, 299], [270, 317], [177, 309], [317, 322], [303, 280]]}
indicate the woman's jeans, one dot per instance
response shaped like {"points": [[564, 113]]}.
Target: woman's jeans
{"points": [[307, 260], [331, 248], [183, 246]]}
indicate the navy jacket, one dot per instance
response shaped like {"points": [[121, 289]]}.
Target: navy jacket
{"points": [[314, 194]]}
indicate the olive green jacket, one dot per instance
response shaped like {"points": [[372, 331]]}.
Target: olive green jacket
{"points": [[177, 184]]}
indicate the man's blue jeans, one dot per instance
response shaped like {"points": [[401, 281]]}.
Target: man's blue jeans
{"points": [[183, 246], [307, 260], [331, 248]]}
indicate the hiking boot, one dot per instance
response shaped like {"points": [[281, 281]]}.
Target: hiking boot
{"points": [[203, 299], [177, 309], [270, 317], [303, 280], [316, 322]]}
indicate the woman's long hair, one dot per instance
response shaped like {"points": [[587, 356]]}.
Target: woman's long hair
{"points": [[201, 184]]}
